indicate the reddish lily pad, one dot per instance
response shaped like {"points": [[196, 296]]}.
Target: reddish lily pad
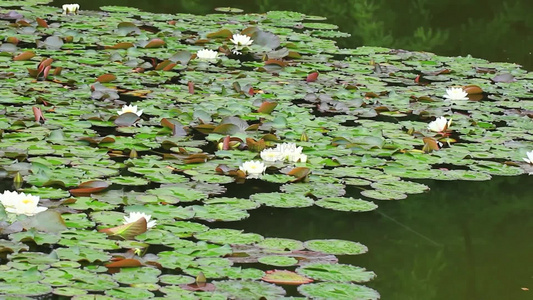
{"points": [[89, 187]]}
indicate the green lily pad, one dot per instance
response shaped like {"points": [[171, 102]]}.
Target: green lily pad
{"points": [[282, 200], [228, 236], [336, 247], [278, 260], [346, 204], [336, 272], [333, 290]]}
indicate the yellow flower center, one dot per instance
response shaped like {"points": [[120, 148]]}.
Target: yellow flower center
{"points": [[26, 201]]}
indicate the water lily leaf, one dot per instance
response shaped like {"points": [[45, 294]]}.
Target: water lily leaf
{"points": [[213, 213], [263, 38], [41, 22], [267, 107], [127, 231], [317, 190], [154, 43], [126, 119], [129, 180], [228, 9], [46, 221], [282, 200], [183, 57], [124, 263], [125, 28], [300, 173], [336, 272], [229, 129], [129, 293], [106, 78], [53, 42], [26, 55], [278, 261], [122, 45], [68, 292], [75, 253], [504, 77], [312, 77], [228, 236], [89, 187], [137, 275], [280, 244], [384, 194], [331, 290], [32, 235], [47, 192], [223, 33], [285, 277], [472, 89], [249, 289], [16, 289], [346, 204], [337, 247]]}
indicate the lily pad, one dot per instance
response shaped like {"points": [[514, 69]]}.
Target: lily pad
{"points": [[337, 247]]}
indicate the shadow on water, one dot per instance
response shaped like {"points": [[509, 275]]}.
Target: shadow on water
{"points": [[461, 240]]}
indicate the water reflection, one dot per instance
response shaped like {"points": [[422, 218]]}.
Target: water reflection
{"points": [[462, 240], [492, 29]]}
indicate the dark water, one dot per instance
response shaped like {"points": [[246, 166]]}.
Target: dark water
{"points": [[462, 240], [497, 30]]}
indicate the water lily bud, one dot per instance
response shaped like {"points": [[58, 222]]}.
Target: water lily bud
{"points": [[17, 181], [220, 146], [133, 153], [201, 278], [304, 137]]}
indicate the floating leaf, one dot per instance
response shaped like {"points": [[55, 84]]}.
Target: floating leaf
{"points": [[267, 107], [223, 33], [26, 55], [312, 77], [346, 204], [106, 78], [285, 277], [335, 290], [124, 263], [89, 187], [126, 119], [155, 43], [127, 231], [337, 247]]}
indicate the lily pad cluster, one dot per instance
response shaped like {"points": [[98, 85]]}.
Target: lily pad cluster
{"points": [[358, 119]]}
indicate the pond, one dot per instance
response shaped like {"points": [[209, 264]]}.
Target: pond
{"points": [[366, 167], [494, 30]]}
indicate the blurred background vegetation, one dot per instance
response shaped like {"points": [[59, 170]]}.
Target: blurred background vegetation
{"points": [[497, 30]]}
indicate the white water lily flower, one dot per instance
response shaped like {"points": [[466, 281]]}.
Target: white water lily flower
{"points": [[282, 152], [529, 158], [207, 54], [290, 151], [272, 155], [440, 124], [253, 168], [70, 8], [21, 204], [241, 40], [134, 216], [456, 93], [130, 109]]}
